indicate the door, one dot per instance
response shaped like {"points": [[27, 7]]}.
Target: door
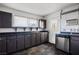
{"points": [[20, 42], [11, 43]]}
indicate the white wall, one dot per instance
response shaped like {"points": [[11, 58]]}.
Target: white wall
{"points": [[19, 13], [56, 16], [74, 15], [53, 18]]}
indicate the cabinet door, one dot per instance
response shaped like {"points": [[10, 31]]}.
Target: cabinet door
{"points": [[11, 44], [46, 36], [5, 19], [38, 39], [20, 42], [2, 45], [27, 40], [42, 37], [1, 20], [33, 38], [74, 49]]}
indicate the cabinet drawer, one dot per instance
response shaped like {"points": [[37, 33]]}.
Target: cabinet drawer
{"points": [[20, 36], [11, 37], [75, 38], [2, 38]]}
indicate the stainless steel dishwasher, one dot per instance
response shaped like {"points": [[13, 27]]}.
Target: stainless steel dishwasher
{"points": [[62, 43]]}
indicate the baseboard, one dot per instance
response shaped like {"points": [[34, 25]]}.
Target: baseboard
{"points": [[51, 43]]}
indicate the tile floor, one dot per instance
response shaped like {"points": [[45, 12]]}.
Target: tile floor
{"points": [[43, 49]]}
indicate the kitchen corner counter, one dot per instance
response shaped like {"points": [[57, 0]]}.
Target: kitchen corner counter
{"points": [[68, 42], [68, 34]]}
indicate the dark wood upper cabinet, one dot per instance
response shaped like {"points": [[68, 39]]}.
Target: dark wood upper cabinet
{"points": [[42, 23], [5, 20]]}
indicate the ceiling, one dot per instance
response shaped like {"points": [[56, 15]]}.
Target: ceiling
{"points": [[38, 8]]}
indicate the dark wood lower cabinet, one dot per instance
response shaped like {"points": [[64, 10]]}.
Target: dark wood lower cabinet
{"points": [[20, 42], [46, 36], [43, 37], [0, 46], [38, 39], [3, 45], [27, 41], [74, 45], [33, 42], [11, 44]]}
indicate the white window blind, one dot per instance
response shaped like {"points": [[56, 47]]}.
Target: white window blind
{"points": [[24, 22], [33, 23], [19, 21]]}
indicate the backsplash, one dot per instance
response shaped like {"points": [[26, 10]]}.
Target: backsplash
{"points": [[20, 30], [70, 29], [70, 20]]}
